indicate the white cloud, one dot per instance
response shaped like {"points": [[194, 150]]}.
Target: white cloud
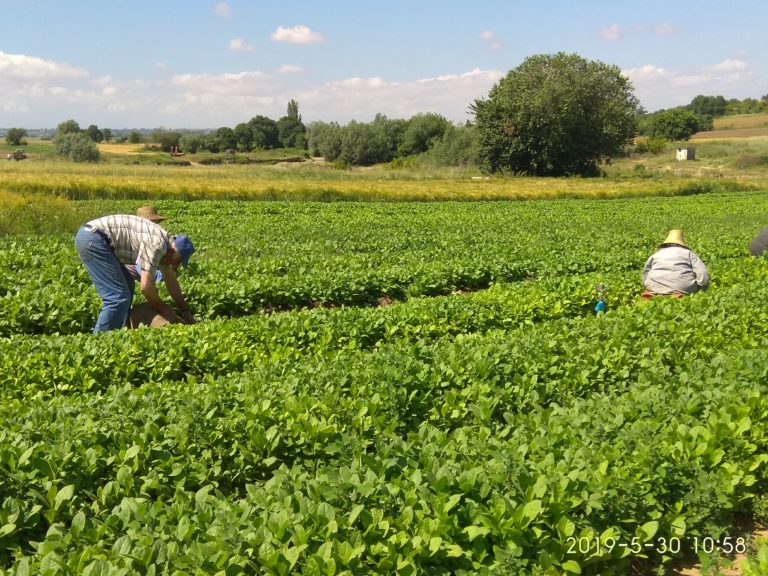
{"points": [[646, 73], [297, 35], [730, 65], [289, 69], [612, 32], [362, 98], [222, 9], [217, 96], [240, 45], [21, 67], [213, 100], [660, 88], [690, 80], [491, 38]]}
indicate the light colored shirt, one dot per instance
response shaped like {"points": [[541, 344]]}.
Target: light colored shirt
{"points": [[759, 244], [135, 240], [675, 269]]}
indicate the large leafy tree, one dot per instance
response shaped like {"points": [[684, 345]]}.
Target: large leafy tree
{"points": [[674, 124], [14, 136], [265, 132], [555, 115], [67, 127], [422, 131]]}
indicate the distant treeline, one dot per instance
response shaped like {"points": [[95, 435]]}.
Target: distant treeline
{"points": [[428, 136], [682, 122]]}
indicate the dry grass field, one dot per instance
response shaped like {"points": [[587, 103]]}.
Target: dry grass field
{"points": [[741, 122], [744, 126], [111, 148]]}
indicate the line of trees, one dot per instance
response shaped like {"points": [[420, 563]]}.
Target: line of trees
{"points": [[355, 144], [554, 115], [259, 133], [385, 139]]}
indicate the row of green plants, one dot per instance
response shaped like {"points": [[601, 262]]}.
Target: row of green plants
{"points": [[506, 430], [63, 364], [538, 449], [255, 257]]}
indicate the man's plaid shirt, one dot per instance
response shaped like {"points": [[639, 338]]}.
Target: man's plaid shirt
{"points": [[134, 239]]}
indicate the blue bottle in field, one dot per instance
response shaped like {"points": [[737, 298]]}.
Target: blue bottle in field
{"points": [[600, 306]]}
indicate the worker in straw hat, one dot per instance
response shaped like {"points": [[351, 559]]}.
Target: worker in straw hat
{"points": [[107, 247], [674, 269], [145, 314]]}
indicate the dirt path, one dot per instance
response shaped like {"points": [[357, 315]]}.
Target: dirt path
{"points": [[731, 565]]}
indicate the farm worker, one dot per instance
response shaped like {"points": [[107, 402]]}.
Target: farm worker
{"points": [[759, 244], [674, 269], [108, 245]]}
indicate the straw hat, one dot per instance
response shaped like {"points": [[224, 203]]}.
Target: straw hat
{"points": [[150, 213], [675, 237]]}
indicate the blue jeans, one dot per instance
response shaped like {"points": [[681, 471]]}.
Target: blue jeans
{"points": [[112, 280]]}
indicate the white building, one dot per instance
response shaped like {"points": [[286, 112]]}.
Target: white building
{"points": [[686, 153]]}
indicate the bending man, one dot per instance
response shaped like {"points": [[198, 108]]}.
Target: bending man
{"points": [[106, 245]]}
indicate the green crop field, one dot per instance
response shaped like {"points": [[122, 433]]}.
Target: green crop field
{"points": [[384, 387]]}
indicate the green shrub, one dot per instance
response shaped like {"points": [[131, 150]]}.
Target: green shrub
{"points": [[77, 147], [653, 145]]}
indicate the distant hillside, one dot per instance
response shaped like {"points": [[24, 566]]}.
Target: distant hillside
{"points": [[741, 126]]}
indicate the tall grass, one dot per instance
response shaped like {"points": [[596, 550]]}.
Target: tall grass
{"points": [[37, 214], [120, 182]]}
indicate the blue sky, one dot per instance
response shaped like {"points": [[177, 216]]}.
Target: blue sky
{"points": [[206, 64]]}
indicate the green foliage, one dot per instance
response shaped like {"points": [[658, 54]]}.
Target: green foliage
{"points": [[292, 111], [77, 147], [456, 147], [32, 214], [67, 127], [421, 132], [226, 139], [498, 427], [258, 132], [14, 136], [757, 564], [324, 139], [363, 145], [746, 106], [671, 125], [712, 106], [135, 137], [652, 145], [167, 140], [94, 133], [392, 128], [555, 115], [191, 142], [291, 132]]}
